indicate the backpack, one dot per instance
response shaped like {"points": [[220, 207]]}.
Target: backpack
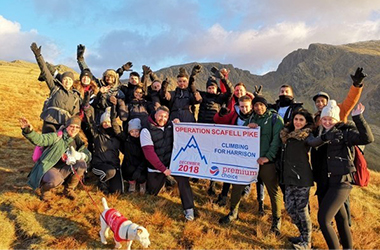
{"points": [[46, 102], [361, 176], [38, 150]]}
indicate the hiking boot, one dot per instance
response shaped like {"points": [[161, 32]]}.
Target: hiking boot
{"points": [[102, 186], [143, 188], [261, 209], [132, 186], [276, 226], [221, 201], [189, 214], [246, 191], [302, 245], [295, 240], [231, 216], [70, 193]]}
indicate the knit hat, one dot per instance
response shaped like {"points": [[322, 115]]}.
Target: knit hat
{"points": [[261, 99], [85, 72], [74, 120], [106, 116], [321, 94], [211, 82], [67, 74], [331, 110], [134, 124]]}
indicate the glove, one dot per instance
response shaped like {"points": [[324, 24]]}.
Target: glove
{"points": [[146, 70], [78, 156], [136, 175], [224, 110], [80, 51], [332, 136], [182, 71], [217, 73], [196, 69], [36, 50], [258, 90], [127, 66], [358, 77]]}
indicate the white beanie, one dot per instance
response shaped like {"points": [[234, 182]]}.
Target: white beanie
{"points": [[134, 124], [331, 110], [106, 116]]}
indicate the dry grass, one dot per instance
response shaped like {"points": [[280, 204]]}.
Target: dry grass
{"points": [[28, 223]]}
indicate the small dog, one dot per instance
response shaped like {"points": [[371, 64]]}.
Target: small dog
{"points": [[123, 229]]}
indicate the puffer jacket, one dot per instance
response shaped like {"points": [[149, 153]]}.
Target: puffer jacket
{"points": [[55, 148], [63, 103]]}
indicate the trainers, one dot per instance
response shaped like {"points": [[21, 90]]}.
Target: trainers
{"points": [[103, 187], [143, 188], [295, 240], [70, 193], [302, 245], [221, 201], [276, 226], [132, 186], [189, 214], [228, 218]]}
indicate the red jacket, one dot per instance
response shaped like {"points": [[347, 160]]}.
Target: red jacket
{"points": [[114, 220], [230, 118]]}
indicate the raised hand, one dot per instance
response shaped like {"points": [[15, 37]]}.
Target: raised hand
{"points": [[196, 69], [358, 110], [358, 77], [146, 70], [80, 51], [258, 90], [217, 73], [36, 50], [127, 66], [24, 123]]}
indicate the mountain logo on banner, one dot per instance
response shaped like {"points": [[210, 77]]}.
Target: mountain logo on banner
{"points": [[192, 143]]}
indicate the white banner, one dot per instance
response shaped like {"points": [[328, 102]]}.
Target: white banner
{"points": [[217, 152]]}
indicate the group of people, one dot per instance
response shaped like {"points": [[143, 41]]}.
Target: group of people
{"points": [[147, 109]]}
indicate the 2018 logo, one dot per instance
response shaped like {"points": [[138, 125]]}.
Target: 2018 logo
{"points": [[214, 170]]}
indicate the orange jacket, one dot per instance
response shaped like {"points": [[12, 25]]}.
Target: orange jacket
{"points": [[347, 105]]}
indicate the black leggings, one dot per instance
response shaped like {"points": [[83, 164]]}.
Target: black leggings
{"points": [[332, 205]]}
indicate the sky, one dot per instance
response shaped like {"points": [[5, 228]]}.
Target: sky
{"points": [[249, 34]]}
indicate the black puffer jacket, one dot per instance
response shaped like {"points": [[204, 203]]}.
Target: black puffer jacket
{"points": [[134, 160], [335, 159], [182, 105], [295, 169]]}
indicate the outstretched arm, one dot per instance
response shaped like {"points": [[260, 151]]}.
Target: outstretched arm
{"points": [[49, 79]]}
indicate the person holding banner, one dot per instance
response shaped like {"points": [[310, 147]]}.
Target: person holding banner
{"points": [[157, 144]]}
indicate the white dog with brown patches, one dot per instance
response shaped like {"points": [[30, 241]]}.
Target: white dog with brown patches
{"points": [[123, 229]]}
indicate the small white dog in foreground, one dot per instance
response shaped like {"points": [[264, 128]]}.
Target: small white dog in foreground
{"points": [[123, 229]]}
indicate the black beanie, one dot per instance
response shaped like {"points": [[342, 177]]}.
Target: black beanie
{"points": [[261, 99], [74, 120], [67, 74], [211, 82], [85, 72]]}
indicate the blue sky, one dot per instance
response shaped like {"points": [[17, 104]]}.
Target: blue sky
{"points": [[251, 35]]}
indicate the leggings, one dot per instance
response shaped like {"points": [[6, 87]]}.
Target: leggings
{"points": [[332, 205]]}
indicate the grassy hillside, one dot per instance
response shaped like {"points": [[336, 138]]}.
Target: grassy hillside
{"points": [[28, 223]]}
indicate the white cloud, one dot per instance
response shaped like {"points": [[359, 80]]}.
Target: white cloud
{"points": [[8, 27]]}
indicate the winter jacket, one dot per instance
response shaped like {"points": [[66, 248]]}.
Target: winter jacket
{"points": [[135, 109], [134, 159], [270, 142], [292, 107], [128, 90], [106, 141], [181, 105], [346, 106], [62, 103], [210, 103], [335, 159], [295, 168], [55, 148]]}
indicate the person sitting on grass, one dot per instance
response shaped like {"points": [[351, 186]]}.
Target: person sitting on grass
{"points": [[64, 152]]}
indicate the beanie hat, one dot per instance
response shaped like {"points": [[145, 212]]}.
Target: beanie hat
{"points": [[106, 116], [331, 110], [261, 99], [134, 124], [321, 94], [85, 72], [211, 82], [74, 120], [67, 74]]}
